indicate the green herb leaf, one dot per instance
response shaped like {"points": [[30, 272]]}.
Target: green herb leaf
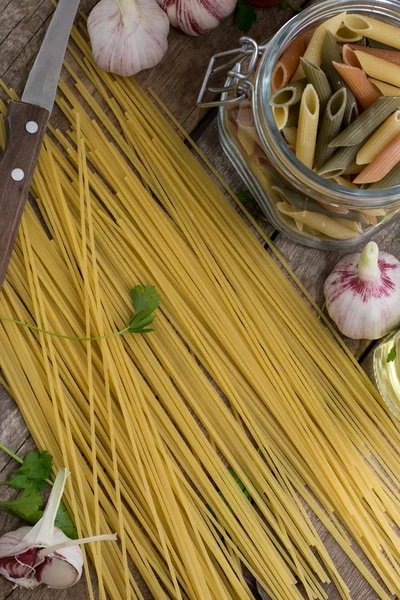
{"points": [[65, 523], [245, 16], [26, 506], [245, 197], [35, 469], [145, 302], [392, 355], [240, 484], [288, 4]]}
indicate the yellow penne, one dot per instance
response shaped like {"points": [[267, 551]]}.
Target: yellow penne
{"points": [[288, 63], [386, 88], [344, 34], [308, 126], [359, 84], [327, 225], [380, 139], [382, 164], [373, 29], [313, 51], [281, 114], [378, 68]]}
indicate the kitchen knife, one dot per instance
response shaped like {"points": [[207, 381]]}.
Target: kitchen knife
{"points": [[26, 124]]}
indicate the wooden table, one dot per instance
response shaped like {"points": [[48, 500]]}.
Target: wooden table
{"points": [[177, 81]]}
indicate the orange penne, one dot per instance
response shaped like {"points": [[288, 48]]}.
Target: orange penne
{"points": [[392, 56], [382, 164], [359, 84], [350, 57], [288, 63]]}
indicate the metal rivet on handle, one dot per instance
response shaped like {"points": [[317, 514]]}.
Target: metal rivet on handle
{"points": [[32, 127], [17, 174]]}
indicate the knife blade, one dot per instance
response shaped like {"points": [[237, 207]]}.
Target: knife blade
{"points": [[26, 124]]}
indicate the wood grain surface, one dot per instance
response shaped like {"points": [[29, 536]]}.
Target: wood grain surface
{"points": [[177, 81]]}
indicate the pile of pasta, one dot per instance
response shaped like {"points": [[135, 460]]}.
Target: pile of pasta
{"points": [[335, 98], [240, 381]]}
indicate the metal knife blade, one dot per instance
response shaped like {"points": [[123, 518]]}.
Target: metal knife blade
{"points": [[42, 83]]}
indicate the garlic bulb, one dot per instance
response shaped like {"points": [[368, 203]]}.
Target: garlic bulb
{"points": [[363, 294], [43, 554], [128, 36], [196, 17]]}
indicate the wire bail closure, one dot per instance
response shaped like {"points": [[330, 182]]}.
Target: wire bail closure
{"points": [[239, 69]]}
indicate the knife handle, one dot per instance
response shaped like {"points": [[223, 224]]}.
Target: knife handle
{"points": [[25, 129]]}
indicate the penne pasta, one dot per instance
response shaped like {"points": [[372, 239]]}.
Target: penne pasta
{"points": [[314, 48], [380, 139], [330, 126], [308, 126], [322, 223], [382, 164], [247, 139], [293, 118], [339, 163], [359, 84], [288, 63], [390, 55], [290, 135], [373, 29], [367, 122], [344, 34], [329, 54], [349, 56], [281, 114], [353, 168], [319, 81], [386, 88], [380, 69], [290, 94], [390, 180], [343, 181]]}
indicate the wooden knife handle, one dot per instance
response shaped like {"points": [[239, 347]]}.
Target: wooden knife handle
{"points": [[25, 129]]}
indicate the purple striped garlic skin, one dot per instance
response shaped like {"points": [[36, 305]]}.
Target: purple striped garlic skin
{"points": [[196, 17]]}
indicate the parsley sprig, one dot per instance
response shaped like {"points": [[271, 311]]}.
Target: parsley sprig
{"points": [[392, 355], [145, 302], [31, 478], [245, 16]]}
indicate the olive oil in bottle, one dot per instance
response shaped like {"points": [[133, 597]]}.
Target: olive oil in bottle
{"points": [[387, 373]]}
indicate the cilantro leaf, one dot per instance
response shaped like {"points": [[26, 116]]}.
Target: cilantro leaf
{"points": [[26, 505], [245, 197], [392, 355], [245, 16], [34, 470], [145, 302], [240, 484], [288, 4], [65, 523]]}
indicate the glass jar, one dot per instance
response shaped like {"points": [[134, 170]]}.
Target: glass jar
{"points": [[338, 217], [387, 373]]}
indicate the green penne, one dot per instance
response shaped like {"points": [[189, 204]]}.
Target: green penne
{"points": [[293, 118], [390, 180], [367, 122], [376, 44], [289, 95], [339, 162], [329, 53], [301, 202], [319, 80], [330, 127]]}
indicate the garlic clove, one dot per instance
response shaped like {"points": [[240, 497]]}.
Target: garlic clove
{"points": [[57, 573], [196, 17], [363, 294], [20, 569], [128, 36]]}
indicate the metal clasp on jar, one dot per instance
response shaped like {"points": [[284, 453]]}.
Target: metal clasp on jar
{"points": [[240, 69]]}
